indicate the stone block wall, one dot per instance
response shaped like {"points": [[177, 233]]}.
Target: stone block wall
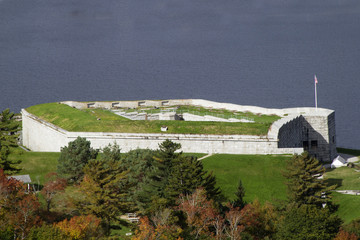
{"points": [[316, 136], [291, 133], [315, 133]]}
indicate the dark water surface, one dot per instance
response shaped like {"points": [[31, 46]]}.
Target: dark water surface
{"points": [[250, 52]]}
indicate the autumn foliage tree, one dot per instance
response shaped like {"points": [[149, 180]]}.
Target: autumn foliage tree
{"points": [[234, 218], [200, 212], [18, 208], [151, 230], [81, 227], [53, 186], [343, 235]]}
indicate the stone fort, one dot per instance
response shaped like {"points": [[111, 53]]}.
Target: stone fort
{"points": [[298, 130]]}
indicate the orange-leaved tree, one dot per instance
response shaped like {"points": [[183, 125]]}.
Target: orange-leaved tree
{"points": [[81, 227], [18, 208]]}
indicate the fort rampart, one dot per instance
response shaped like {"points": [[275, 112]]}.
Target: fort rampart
{"points": [[299, 129]]}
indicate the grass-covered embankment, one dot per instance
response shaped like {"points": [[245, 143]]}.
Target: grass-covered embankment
{"points": [[86, 120], [261, 175]]}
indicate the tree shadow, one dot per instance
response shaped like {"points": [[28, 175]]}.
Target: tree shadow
{"points": [[334, 181]]}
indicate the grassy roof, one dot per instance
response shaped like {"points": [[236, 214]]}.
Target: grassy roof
{"points": [[86, 120]]}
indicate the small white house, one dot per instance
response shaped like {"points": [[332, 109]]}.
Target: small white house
{"points": [[338, 162]]}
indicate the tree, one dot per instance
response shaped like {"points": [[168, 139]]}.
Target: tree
{"points": [[73, 159], [153, 195], [24, 214], [240, 193], [188, 174], [147, 230], [160, 225], [81, 227], [104, 188], [353, 227], [46, 232], [18, 208], [200, 212], [173, 174], [343, 235], [308, 222], [233, 219], [53, 186], [9, 129], [111, 152], [304, 184]]}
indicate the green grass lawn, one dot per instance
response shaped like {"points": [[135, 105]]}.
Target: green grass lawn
{"points": [[261, 175], [349, 206], [73, 119], [198, 155], [346, 178], [262, 179], [36, 164]]}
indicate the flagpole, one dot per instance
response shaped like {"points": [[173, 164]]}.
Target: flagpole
{"points": [[315, 83]]}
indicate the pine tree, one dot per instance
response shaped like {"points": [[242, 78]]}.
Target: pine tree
{"points": [[9, 129], [308, 222], [240, 193], [105, 188], [153, 195], [186, 175], [170, 175], [73, 159], [111, 152], [304, 184]]}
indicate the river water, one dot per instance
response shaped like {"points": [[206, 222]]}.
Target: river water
{"points": [[249, 52]]}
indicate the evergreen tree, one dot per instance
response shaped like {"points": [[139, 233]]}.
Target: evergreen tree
{"points": [[73, 159], [240, 193], [104, 188], [304, 184], [9, 129], [306, 216], [111, 152], [308, 222], [139, 162], [153, 195], [187, 174], [212, 192], [173, 174]]}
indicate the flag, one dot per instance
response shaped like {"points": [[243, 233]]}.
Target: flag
{"points": [[316, 81]]}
